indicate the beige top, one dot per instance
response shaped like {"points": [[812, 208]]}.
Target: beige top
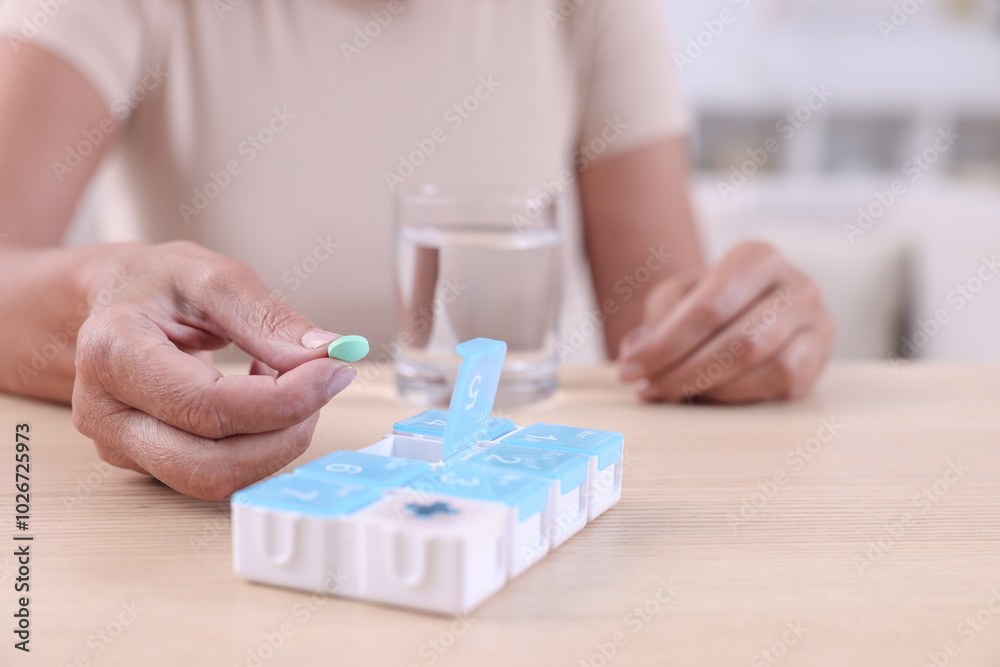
{"points": [[276, 130]]}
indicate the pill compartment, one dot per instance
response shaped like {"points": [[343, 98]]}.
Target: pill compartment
{"points": [[605, 449], [437, 553], [428, 450], [565, 472], [525, 499], [301, 532], [605, 487]]}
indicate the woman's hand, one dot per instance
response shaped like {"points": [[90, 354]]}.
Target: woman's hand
{"points": [[150, 402], [751, 328]]}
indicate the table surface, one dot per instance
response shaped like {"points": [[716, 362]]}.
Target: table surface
{"points": [[858, 526]]}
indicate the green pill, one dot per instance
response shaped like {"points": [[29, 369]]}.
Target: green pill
{"points": [[348, 348]]}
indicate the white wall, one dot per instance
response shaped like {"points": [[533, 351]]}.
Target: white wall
{"points": [[891, 93]]}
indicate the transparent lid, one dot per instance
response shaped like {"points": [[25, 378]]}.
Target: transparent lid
{"points": [[475, 390]]}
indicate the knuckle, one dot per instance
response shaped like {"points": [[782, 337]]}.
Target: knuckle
{"points": [[84, 419], [776, 262], [183, 248], [766, 251], [295, 445], [89, 424], [810, 293], [769, 258], [755, 251], [212, 478], [103, 344], [706, 313], [107, 454], [277, 319], [785, 370], [293, 410], [240, 273], [203, 418], [103, 452], [218, 276], [755, 348], [213, 273], [92, 346]]}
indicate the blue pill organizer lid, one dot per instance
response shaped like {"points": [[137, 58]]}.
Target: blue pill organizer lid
{"points": [[431, 424], [606, 445], [569, 468], [304, 495], [365, 469], [475, 390], [526, 493]]}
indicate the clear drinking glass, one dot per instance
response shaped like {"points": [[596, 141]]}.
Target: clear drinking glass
{"points": [[471, 262]]}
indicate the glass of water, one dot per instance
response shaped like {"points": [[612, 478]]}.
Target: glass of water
{"points": [[476, 262]]}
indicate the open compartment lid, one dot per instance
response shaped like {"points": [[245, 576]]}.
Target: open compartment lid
{"points": [[474, 393]]}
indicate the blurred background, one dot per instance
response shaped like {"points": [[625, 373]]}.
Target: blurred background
{"points": [[808, 112], [863, 138]]}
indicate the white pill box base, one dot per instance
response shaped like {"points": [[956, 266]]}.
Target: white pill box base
{"points": [[447, 563], [378, 549], [567, 513], [605, 488], [604, 485], [527, 543], [437, 516], [525, 500], [299, 551]]}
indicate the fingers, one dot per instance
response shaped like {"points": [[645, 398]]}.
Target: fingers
{"points": [[663, 297], [631, 341], [152, 401], [200, 467], [134, 362], [118, 459], [746, 343], [788, 375], [228, 300], [260, 368], [751, 328], [728, 290]]}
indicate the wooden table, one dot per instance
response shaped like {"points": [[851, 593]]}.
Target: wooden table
{"points": [[860, 526]]}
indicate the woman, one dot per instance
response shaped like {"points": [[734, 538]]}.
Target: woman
{"points": [[264, 132]]}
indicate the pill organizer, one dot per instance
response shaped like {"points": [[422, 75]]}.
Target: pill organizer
{"points": [[438, 515]]}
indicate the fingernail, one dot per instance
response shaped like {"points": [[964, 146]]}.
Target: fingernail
{"points": [[632, 371], [317, 338], [341, 377]]}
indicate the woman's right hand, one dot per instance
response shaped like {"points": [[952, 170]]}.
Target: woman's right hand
{"points": [[153, 404]]}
